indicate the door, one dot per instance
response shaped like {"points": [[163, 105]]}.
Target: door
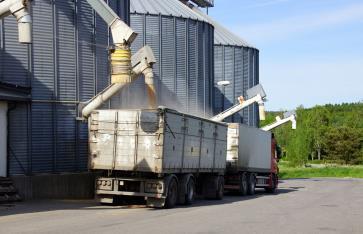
{"points": [[3, 138]]}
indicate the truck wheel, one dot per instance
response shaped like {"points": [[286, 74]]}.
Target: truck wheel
{"points": [[243, 184], [272, 189], [251, 184], [172, 195], [220, 188], [189, 196]]}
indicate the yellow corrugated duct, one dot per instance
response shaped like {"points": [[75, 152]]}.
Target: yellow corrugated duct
{"points": [[121, 64]]}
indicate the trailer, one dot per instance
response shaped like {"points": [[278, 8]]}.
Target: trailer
{"points": [[251, 161], [163, 155], [251, 158]]}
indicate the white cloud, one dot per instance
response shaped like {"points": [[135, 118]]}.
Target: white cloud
{"points": [[285, 28]]}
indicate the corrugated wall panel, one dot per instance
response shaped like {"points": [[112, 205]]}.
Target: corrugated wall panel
{"points": [[18, 154], [238, 77], [43, 138], [192, 60], [102, 72], [152, 38], [246, 74], [168, 59], [66, 48], [43, 51], [209, 69], [201, 76], [257, 81], [14, 58], [86, 50], [182, 63], [251, 109], [66, 138], [229, 76], [218, 76], [183, 60], [82, 156]]}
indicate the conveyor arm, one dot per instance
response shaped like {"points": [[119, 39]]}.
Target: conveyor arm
{"points": [[121, 32], [142, 63], [256, 95], [280, 121]]}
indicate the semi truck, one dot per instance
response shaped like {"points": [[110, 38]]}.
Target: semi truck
{"points": [[251, 160], [160, 154]]}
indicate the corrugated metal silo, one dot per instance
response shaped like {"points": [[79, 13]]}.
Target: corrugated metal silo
{"points": [[182, 43], [66, 64], [236, 61]]}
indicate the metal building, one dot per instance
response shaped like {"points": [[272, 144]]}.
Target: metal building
{"points": [[236, 61], [182, 42], [66, 64]]}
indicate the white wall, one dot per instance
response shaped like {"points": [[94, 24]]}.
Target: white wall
{"points": [[3, 137]]}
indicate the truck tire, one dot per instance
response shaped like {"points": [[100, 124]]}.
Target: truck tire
{"points": [[190, 193], [243, 184], [273, 187], [251, 184], [220, 188], [172, 195]]}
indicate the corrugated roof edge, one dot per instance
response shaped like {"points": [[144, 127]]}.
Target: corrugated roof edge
{"points": [[223, 36], [173, 8]]}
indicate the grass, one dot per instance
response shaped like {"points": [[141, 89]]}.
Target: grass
{"points": [[335, 171]]}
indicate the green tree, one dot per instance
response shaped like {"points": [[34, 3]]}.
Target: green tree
{"points": [[344, 143]]}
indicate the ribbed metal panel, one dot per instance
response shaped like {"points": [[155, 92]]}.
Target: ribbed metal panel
{"points": [[246, 79], [14, 58], [66, 56], [66, 138], [201, 73], [192, 66], [169, 58], [181, 42], [101, 40], [238, 80], [82, 145], [43, 138], [86, 50], [67, 62], [18, 150], [182, 62], [229, 75], [43, 82], [218, 76]]}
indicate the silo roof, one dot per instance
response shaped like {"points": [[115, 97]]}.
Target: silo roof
{"points": [[223, 36], [165, 7]]}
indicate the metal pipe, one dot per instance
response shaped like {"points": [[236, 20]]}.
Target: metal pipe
{"points": [[19, 8], [150, 86]]}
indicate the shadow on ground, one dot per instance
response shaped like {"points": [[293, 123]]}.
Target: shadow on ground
{"points": [[39, 206]]}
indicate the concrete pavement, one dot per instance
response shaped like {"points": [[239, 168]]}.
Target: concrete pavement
{"points": [[300, 206]]}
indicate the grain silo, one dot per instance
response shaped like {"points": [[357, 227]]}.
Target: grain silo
{"points": [[236, 61], [182, 42], [66, 64]]}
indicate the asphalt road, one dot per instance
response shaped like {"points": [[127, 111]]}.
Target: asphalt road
{"points": [[300, 206]]}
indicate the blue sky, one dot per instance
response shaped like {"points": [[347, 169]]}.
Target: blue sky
{"points": [[311, 51]]}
